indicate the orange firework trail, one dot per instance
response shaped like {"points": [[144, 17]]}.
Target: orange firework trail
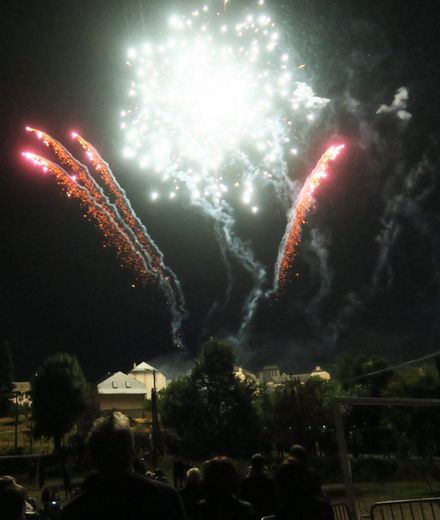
{"points": [[167, 277], [83, 177], [302, 206], [120, 226], [114, 236], [81, 173], [122, 203]]}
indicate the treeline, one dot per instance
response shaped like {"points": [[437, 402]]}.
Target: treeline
{"points": [[211, 411]]}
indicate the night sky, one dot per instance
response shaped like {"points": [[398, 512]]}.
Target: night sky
{"points": [[368, 265]]}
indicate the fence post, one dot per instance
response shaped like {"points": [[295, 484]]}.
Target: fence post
{"points": [[343, 457]]}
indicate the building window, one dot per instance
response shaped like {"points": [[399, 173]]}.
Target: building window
{"points": [[114, 384], [128, 384]]}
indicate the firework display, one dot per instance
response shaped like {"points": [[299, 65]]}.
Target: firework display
{"points": [[117, 221], [215, 104], [218, 109], [302, 206]]}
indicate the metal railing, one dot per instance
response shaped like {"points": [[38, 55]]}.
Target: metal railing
{"points": [[417, 509], [341, 511]]}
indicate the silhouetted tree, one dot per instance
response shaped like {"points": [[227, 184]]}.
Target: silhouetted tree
{"points": [[211, 409], [6, 376], [59, 396], [350, 372], [421, 425]]}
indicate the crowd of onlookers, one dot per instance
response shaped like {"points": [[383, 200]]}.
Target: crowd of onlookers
{"points": [[122, 489]]}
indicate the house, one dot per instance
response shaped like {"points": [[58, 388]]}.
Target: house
{"points": [[123, 393], [272, 376], [323, 374], [146, 374], [243, 374], [21, 393]]}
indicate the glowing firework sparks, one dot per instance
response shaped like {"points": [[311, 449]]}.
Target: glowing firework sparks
{"points": [[219, 107], [114, 236], [119, 224], [121, 201], [302, 206], [213, 104]]}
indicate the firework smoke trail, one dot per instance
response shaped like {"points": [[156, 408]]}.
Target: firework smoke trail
{"points": [[114, 235], [229, 241], [298, 214], [319, 246], [219, 107], [167, 278], [121, 227]]}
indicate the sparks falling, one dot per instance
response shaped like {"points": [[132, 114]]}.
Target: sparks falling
{"points": [[117, 221], [304, 202], [218, 107]]}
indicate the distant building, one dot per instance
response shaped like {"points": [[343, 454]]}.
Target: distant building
{"points": [[243, 374], [145, 374], [21, 393], [323, 374], [123, 393], [271, 375]]}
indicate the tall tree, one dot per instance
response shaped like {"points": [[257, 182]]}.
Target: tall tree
{"points": [[6, 376], [420, 424], [350, 370], [59, 396], [211, 409]]}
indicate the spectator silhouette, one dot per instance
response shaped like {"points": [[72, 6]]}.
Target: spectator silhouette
{"points": [[299, 496], [258, 488], [220, 485], [299, 454], [160, 476], [116, 491], [139, 466], [12, 499], [179, 473], [67, 482], [192, 491]]}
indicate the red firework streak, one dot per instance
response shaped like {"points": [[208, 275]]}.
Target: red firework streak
{"points": [[114, 235], [116, 219], [121, 202], [303, 204]]}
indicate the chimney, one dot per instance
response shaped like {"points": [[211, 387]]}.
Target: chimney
{"points": [[134, 365]]}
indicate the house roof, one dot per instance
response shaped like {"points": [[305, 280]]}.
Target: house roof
{"points": [[120, 383], [21, 386], [143, 367]]}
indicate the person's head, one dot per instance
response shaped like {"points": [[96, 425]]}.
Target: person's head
{"points": [[111, 444], [12, 499], [220, 477], [193, 477], [257, 462], [299, 453]]}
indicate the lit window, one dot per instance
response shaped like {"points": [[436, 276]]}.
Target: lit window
{"points": [[128, 384], [114, 384]]}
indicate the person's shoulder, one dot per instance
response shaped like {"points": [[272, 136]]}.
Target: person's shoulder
{"points": [[157, 485], [244, 504], [246, 509], [161, 496], [74, 506]]}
